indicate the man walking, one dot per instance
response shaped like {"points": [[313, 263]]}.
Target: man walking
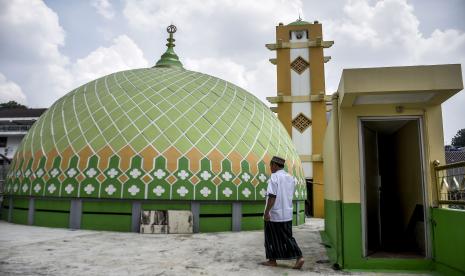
{"points": [[279, 243]]}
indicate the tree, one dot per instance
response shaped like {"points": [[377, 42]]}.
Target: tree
{"points": [[459, 138], [12, 104]]}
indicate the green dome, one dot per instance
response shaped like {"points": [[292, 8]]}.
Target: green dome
{"points": [[299, 22], [155, 133]]}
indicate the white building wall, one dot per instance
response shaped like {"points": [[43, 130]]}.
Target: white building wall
{"points": [[308, 169], [300, 83], [302, 141]]}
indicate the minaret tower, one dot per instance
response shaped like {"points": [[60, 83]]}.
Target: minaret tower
{"points": [[301, 97]]}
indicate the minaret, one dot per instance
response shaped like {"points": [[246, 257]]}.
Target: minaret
{"points": [[301, 97], [169, 58]]}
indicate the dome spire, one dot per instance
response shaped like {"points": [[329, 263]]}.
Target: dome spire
{"points": [[169, 58]]}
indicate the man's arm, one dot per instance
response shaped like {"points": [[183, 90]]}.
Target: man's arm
{"points": [[269, 204]]}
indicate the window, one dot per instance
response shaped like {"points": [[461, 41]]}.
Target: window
{"points": [[3, 141]]}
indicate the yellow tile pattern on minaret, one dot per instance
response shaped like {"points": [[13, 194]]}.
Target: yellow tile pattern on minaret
{"points": [[317, 88]]}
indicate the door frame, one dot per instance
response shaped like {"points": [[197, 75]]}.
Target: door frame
{"points": [[423, 167]]}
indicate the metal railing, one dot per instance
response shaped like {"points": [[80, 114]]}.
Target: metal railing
{"points": [[450, 185], [7, 128]]}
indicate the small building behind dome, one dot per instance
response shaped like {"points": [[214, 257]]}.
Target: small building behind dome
{"points": [[160, 138]]}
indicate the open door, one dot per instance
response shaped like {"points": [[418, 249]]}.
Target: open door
{"points": [[393, 198]]}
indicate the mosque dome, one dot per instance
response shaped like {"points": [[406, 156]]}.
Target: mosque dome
{"points": [[162, 133]]}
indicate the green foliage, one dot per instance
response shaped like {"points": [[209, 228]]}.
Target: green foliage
{"points": [[12, 104], [459, 138]]}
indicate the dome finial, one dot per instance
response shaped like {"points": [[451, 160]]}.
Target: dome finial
{"points": [[169, 58]]}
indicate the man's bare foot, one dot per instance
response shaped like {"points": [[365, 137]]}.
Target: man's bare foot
{"points": [[299, 263], [269, 263]]}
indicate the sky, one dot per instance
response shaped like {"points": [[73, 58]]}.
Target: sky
{"points": [[48, 48]]}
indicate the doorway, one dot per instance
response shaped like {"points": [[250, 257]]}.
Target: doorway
{"points": [[393, 188]]}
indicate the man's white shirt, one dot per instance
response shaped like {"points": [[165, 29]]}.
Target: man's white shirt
{"points": [[282, 185]]}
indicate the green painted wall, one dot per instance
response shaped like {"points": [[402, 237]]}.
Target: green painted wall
{"points": [[107, 207], [332, 233], [20, 210], [111, 216], [252, 223], [449, 241], [253, 208], [108, 222], [21, 203], [252, 216], [166, 206], [51, 219], [51, 213], [209, 209], [215, 224], [352, 247], [19, 216], [5, 207], [117, 215], [215, 217], [301, 217], [4, 213], [59, 205]]}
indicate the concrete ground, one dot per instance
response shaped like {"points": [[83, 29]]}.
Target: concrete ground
{"points": [[30, 250]]}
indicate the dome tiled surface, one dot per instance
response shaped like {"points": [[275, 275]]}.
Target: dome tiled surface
{"points": [[156, 133]]}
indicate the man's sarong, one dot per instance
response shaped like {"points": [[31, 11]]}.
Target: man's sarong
{"points": [[279, 243]]}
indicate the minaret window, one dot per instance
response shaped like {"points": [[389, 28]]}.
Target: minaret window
{"points": [[298, 35], [299, 65], [301, 122]]}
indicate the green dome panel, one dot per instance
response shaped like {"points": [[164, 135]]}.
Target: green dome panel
{"points": [[155, 133]]}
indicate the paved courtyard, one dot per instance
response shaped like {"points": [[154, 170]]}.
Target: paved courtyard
{"points": [[30, 250]]}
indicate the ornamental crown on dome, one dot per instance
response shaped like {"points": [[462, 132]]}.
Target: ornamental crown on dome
{"points": [[169, 58]]}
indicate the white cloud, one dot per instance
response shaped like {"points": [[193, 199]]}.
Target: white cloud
{"points": [[104, 8], [30, 50], [123, 54], [258, 78], [190, 14], [234, 29], [10, 91], [223, 68], [226, 38], [222, 38], [31, 37], [386, 33]]}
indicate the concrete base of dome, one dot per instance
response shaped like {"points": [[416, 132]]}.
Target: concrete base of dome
{"points": [[124, 215]]}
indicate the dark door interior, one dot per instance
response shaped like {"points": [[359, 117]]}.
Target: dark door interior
{"points": [[393, 188]]}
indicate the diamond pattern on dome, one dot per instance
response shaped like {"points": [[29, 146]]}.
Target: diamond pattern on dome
{"points": [[301, 122], [174, 112], [299, 65]]}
